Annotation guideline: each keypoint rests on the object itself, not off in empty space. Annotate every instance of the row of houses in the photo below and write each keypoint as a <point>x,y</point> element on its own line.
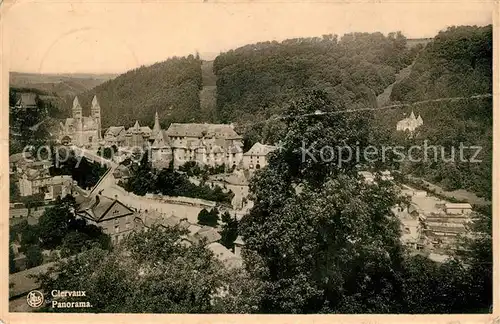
<point>432,224</point>
<point>427,223</point>
<point>33,177</point>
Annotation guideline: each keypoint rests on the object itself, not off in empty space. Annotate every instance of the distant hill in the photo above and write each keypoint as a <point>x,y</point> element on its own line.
<point>171,87</point>
<point>58,85</point>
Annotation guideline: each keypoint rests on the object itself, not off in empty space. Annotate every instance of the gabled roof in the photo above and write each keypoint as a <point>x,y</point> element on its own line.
<point>225,131</point>
<point>208,233</point>
<point>260,149</point>
<point>171,221</point>
<point>100,208</point>
<point>114,130</point>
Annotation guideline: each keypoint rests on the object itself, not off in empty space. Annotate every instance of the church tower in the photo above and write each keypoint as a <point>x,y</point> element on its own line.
<point>95,112</point>
<point>77,113</point>
<point>78,118</point>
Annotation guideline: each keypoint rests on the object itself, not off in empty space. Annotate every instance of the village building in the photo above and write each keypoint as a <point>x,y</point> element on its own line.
<point>137,136</point>
<point>256,157</point>
<point>115,218</point>
<point>115,136</point>
<point>33,182</point>
<point>223,254</point>
<point>410,123</point>
<point>82,131</point>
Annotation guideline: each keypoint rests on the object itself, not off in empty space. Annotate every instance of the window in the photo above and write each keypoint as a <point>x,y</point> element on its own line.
<point>117,229</point>
<point>90,139</point>
<point>117,220</point>
<point>127,226</point>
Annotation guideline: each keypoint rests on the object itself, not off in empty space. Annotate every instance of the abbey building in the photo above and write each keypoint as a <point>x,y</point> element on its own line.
<point>410,123</point>
<point>82,131</point>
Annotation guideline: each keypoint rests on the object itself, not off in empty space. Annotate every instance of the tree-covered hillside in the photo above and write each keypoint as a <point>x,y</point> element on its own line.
<point>457,63</point>
<point>170,87</point>
<point>253,81</point>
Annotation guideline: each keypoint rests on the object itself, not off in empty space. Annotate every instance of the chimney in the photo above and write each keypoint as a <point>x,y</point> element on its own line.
<point>97,200</point>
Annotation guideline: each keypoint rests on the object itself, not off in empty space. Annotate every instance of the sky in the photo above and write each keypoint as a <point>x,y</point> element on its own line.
<point>112,37</point>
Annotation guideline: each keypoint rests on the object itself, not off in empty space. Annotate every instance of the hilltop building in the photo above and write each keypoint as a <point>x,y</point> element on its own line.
<point>82,131</point>
<point>410,123</point>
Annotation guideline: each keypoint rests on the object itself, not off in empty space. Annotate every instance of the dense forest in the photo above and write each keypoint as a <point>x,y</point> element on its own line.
<point>170,87</point>
<point>254,81</point>
<point>456,63</point>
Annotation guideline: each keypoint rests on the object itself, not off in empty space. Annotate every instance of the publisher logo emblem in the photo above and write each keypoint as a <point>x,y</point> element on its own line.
<point>35,299</point>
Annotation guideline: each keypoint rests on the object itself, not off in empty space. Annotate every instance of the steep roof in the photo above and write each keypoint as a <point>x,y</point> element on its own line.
<point>156,127</point>
<point>27,100</point>
<point>114,130</point>
<point>208,233</point>
<point>161,140</point>
<point>225,131</point>
<point>260,149</point>
<point>99,208</point>
<point>95,103</point>
<point>76,103</point>
<point>223,254</point>
<point>171,221</point>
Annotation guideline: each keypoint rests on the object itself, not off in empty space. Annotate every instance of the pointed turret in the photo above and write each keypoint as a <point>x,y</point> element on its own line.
<point>420,121</point>
<point>136,127</point>
<point>156,127</point>
<point>412,115</point>
<point>76,103</point>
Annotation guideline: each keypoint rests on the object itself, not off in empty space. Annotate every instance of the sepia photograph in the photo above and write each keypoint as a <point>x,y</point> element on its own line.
<point>249,157</point>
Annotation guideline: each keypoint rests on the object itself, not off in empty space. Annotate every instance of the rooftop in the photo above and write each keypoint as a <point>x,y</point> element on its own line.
<point>202,130</point>
<point>260,149</point>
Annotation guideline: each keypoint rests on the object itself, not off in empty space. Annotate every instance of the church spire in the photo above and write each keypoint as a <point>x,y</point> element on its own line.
<point>412,116</point>
<point>156,127</point>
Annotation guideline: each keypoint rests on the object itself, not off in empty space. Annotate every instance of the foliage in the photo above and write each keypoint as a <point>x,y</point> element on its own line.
<point>85,173</point>
<point>229,230</point>
<point>12,263</point>
<point>107,152</point>
<point>150,272</point>
<point>171,183</point>
<point>13,189</point>
<point>171,88</point>
<point>59,228</point>
<point>34,256</point>
<point>254,80</point>
<point>208,218</point>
